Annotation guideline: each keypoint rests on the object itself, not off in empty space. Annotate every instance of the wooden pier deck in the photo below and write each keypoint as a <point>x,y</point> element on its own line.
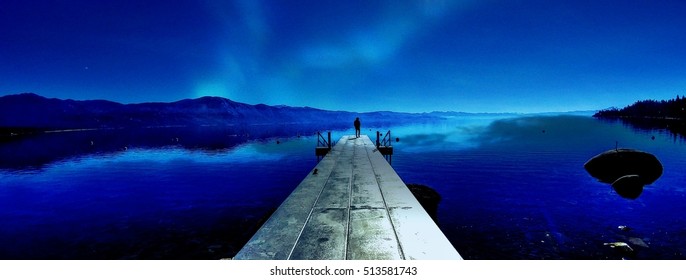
<point>355,207</point>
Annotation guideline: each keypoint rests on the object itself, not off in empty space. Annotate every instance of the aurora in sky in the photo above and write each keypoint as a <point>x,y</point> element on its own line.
<point>408,56</point>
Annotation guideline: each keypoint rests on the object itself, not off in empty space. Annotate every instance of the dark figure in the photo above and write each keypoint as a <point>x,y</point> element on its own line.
<point>357,127</point>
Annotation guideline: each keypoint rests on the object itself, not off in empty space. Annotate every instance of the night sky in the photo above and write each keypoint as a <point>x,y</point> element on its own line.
<point>411,56</point>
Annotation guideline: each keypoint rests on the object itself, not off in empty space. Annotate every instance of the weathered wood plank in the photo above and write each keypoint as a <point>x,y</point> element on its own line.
<point>276,238</point>
<point>365,189</point>
<point>418,234</point>
<point>371,236</point>
<point>420,237</point>
<point>324,236</point>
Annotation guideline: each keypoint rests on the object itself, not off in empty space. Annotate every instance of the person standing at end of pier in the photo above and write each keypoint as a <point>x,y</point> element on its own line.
<point>357,127</point>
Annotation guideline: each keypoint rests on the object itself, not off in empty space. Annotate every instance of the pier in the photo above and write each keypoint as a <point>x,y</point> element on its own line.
<point>351,206</point>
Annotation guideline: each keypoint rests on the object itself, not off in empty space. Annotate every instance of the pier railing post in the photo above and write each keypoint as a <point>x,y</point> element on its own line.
<point>378,144</point>
<point>329,136</point>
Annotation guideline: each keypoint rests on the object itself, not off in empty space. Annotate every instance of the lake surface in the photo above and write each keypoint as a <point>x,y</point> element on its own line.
<point>512,188</point>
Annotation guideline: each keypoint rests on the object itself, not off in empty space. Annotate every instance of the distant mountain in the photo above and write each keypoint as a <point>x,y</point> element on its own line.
<point>34,112</point>
<point>664,109</point>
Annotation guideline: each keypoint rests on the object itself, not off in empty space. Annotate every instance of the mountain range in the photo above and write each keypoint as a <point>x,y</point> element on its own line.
<point>34,112</point>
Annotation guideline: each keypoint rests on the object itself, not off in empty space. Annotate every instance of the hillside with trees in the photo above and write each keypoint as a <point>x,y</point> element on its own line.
<point>674,109</point>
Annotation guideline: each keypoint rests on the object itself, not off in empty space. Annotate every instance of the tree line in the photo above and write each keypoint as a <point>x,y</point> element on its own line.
<point>674,108</point>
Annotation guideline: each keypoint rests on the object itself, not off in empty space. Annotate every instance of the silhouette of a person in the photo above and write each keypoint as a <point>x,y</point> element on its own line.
<point>357,127</point>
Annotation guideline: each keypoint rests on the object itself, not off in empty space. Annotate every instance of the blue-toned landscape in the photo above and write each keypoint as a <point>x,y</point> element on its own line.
<point>156,130</point>
<point>512,187</point>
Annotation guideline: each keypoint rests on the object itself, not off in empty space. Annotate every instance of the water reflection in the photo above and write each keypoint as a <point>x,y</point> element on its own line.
<point>38,149</point>
<point>547,132</point>
<point>425,139</point>
<point>676,129</point>
<point>521,192</point>
<point>196,199</point>
<point>448,135</point>
<point>512,188</point>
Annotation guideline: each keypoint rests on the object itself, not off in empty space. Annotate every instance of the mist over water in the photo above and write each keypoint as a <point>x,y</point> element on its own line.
<point>513,188</point>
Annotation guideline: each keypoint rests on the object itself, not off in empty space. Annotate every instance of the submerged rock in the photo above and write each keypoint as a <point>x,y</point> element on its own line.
<point>629,186</point>
<point>427,197</point>
<point>624,228</point>
<point>638,242</point>
<point>622,248</point>
<point>614,164</point>
<point>621,245</point>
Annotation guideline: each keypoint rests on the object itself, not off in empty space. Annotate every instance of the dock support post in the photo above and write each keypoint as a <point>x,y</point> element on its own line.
<point>378,143</point>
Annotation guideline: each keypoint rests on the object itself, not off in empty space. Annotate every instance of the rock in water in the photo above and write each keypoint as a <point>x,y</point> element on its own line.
<point>629,186</point>
<point>621,245</point>
<point>624,228</point>
<point>622,248</point>
<point>613,164</point>
<point>428,198</point>
<point>638,242</point>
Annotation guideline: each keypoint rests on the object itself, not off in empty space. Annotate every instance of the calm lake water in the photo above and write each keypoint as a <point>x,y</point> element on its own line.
<point>512,188</point>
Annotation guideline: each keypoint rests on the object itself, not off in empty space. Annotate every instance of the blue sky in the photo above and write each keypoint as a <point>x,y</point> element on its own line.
<point>411,56</point>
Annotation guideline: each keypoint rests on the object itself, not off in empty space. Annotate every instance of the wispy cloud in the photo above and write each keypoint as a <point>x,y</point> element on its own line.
<point>379,42</point>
